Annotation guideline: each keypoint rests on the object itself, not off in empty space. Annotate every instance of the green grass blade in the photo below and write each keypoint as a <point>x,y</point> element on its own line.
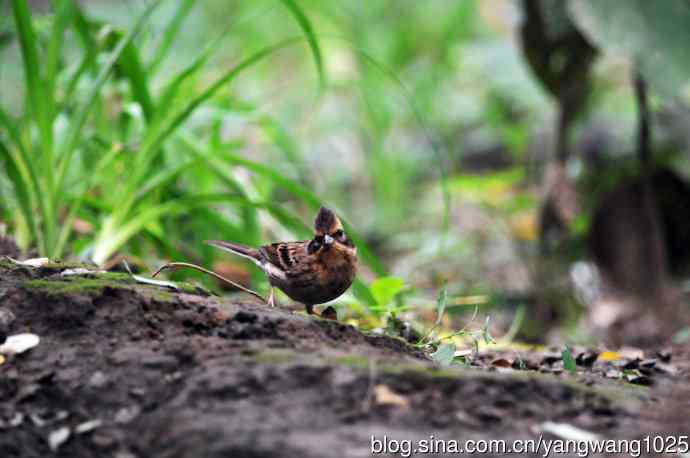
<point>312,200</point>
<point>308,30</point>
<point>249,215</point>
<point>436,149</point>
<point>159,132</point>
<point>75,130</point>
<point>130,63</point>
<point>22,190</point>
<point>24,163</point>
<point>169,35</point>
<point>155,137</point>
<point>114,237</point>
<point>12,129</point>
<point>169,94</point>
<point>163,178</point>
<point>76,203</point>
<point>35,87</point>
<point>63,11</point>
<point>285,143</point>
<point>81,26</point>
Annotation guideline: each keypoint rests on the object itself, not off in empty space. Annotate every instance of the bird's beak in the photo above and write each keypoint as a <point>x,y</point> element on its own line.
<point>328,240</point>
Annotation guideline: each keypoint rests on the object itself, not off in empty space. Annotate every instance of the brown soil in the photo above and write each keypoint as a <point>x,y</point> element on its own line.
<point>183,374</point>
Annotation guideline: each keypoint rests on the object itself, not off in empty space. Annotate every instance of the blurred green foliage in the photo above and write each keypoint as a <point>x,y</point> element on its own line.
<point>145,128</point>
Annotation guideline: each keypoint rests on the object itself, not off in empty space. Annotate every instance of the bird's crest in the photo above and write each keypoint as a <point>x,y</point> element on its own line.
<point>326,222</point>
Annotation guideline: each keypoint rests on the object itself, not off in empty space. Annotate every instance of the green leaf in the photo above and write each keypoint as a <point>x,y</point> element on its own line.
<point>682,336</point>
<point>654,37</point>
<point>444,354</point>
<point>362,293</point>
<point>384,289</point>
<point>568,360</point>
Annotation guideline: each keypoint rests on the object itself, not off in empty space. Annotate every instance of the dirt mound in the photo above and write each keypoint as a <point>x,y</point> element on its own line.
<point>125,369</point>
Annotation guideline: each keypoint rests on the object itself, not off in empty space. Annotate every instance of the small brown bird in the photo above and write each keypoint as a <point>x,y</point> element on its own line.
<point>309,271</point>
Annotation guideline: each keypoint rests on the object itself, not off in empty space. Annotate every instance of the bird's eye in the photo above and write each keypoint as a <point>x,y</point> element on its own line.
<point>339,234</point>
<point>314,246</point>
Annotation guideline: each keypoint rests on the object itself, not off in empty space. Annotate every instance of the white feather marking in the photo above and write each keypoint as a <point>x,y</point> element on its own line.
<point>272,270</point>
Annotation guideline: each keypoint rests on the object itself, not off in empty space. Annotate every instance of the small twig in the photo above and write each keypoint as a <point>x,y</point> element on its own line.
<point>176,265</point>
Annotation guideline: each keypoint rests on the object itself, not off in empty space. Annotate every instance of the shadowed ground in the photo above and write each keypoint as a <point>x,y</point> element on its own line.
<point>125,369</point>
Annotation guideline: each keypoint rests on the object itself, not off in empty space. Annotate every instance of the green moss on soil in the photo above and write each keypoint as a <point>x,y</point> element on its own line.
<point>80,284</point>
<point>276,356</point>
<point>357,361</point>
<point>94,283</point>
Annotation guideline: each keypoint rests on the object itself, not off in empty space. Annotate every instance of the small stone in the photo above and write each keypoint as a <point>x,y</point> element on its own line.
<point>98,379</point>
<point>88,426</point>
<point>613,373</point>
<point>58,437</point>
<point>102,440</point>
<point>127,414</point>
<point>16,420</point>
<point>138,392</point>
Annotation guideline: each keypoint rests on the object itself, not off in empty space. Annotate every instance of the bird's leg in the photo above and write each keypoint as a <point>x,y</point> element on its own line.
<point>309,308</point>
<point>271,298</point>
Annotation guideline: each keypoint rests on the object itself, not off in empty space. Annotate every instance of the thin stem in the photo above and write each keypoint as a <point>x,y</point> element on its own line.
<point>175,265</point>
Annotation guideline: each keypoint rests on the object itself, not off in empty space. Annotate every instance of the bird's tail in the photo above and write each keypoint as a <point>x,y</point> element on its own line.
<point>240,250</point>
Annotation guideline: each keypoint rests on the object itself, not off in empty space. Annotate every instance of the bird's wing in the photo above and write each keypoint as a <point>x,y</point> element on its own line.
<point>286,255</point>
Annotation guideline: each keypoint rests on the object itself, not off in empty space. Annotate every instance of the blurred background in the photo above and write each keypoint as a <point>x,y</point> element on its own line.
<point>491,150</point>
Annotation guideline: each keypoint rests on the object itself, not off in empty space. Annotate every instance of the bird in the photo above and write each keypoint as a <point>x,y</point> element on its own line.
<point>311,271</point>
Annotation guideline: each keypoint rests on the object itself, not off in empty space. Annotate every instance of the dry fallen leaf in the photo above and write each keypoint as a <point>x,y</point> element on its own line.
<point>385,396</point>
<point>501,362</point>
<point>608,356</point>
<point>34,262</point>
<point>2,360</point>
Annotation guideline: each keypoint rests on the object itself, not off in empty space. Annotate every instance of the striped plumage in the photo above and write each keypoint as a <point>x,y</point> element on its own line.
<point>309,271</point>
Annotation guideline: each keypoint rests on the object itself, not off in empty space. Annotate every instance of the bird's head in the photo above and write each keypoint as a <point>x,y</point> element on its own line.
<point>329,232</point>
